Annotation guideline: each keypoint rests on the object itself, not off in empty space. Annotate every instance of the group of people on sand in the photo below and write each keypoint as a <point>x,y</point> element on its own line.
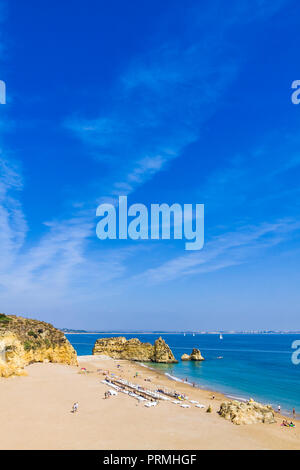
<point>288,425</point>
<point>285,422</point>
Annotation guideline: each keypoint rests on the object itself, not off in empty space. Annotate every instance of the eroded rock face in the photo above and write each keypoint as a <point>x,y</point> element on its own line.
<point>24,341</point>
<point>250,412</point>
<point>195,356</point>
<point>134,350</point>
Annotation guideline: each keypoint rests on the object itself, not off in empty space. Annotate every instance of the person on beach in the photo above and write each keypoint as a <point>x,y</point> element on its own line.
<point>279,408</point>
<point>75,407</point>
<point>294,413</point>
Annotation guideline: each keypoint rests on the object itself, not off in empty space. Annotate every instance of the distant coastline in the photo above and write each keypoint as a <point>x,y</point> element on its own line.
<point>141,332</point>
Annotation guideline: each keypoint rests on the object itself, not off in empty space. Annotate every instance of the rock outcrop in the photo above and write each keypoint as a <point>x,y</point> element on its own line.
<point>162,352</point>
<point>185,357</point>
<point>195,356</point>
<point>24,341</point>
<point>120,348</point>
<point>250,412</point>
<point>134,350</point>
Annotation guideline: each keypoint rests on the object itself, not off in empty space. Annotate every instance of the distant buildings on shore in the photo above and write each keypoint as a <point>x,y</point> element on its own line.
<point>222,332</point>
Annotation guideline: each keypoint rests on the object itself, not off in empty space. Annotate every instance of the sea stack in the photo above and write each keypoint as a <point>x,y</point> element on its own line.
<point>195,356</point>
<point>134,350</point>
<point>162,352</point>
<point>185,357</point>
<point>24,341</point>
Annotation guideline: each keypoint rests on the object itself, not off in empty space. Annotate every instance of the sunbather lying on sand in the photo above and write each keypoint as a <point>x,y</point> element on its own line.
<point>288,425</point>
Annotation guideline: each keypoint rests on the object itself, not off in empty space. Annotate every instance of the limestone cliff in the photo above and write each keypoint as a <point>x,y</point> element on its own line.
<point>247,413</point>
<point>134,350</point>
<point>24,341</point>
<point>195,356</point>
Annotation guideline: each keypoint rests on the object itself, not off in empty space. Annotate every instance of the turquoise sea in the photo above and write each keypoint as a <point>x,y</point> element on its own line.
<point>257,366</point>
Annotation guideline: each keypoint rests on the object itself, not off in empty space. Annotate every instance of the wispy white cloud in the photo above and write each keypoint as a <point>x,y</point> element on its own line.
<point>56,266</point>
<point>166,94</point>
<point>13,226</point>
<point>160,104</point>
<point>229,249</point>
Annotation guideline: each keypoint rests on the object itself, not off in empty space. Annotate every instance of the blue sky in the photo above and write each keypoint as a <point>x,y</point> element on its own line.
<point>186,102</point>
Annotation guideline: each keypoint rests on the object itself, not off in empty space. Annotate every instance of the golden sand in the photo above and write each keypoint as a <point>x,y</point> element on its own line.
<point>36,414</point>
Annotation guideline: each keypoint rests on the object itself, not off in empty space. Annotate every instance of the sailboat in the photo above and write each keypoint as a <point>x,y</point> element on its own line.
<point>183,334</point>
<point>193,334</point>
<point>221,336</point>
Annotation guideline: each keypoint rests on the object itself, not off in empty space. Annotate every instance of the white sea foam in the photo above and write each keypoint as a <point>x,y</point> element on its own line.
<point>233,397</point>
<point>172,377</point>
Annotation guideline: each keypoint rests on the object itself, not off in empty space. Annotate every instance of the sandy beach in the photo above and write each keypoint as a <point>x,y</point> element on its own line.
<point>36,413</point>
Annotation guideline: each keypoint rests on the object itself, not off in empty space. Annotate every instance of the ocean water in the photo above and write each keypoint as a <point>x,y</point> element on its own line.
<point>257,366</point>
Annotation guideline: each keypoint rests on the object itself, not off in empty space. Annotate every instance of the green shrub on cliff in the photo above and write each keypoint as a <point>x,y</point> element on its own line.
<point>27,345</point>
<point>4,320</point>
<point>32,333</point>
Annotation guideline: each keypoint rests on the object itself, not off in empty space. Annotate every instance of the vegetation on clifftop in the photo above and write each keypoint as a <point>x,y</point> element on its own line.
<point>32,333</point>
<point>4,319</point>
